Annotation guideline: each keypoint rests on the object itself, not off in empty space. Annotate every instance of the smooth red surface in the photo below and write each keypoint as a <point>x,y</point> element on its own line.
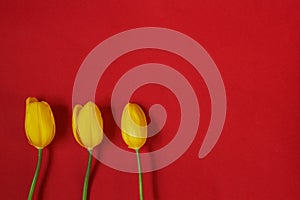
<point>256,46</point>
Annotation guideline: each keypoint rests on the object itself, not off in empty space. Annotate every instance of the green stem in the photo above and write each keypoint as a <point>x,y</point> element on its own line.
<point>87,175</point>
<point>36,174</point>
<point>140,174</point>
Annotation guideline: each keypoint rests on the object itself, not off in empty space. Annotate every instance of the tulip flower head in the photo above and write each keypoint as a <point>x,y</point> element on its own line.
<point>134,126</point>
<point>87,125</point>
<point>39,123</point>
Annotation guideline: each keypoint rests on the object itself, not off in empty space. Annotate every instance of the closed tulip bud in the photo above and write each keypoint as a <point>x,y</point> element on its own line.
<point>134,126</point>
<point>87,125</point>
<point>39,123</point>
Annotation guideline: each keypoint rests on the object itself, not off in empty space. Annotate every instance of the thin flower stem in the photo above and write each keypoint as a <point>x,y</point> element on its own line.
<point>140,174</point>
<point>87,175</point>
<point>36,174</point>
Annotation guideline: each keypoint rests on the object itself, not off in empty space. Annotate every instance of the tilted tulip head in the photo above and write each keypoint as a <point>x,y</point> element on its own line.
<point>39,123</point>
<point>134,126</point>
<point>87,125</point>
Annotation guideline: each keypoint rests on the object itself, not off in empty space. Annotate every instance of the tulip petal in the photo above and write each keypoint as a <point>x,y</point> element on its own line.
<point>137,114</point>
<point>31,100</point>
<point>48,124</point>
<point>76,111</point>
<point>31,122</point>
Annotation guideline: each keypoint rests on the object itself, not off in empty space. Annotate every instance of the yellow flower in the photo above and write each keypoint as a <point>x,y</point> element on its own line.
<point>87,125</point>
<point>134,126</point>
<point>39,123</point>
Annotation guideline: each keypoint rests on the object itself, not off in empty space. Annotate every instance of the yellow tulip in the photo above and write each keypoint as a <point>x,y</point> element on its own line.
<point>87,125</point>
<point>40,131</point>
<point>39,123</point>
<point>134,133</point>
<point>134,126</point>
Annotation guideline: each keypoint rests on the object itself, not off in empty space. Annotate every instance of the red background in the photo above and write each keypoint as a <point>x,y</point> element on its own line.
<point>255,45</point>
